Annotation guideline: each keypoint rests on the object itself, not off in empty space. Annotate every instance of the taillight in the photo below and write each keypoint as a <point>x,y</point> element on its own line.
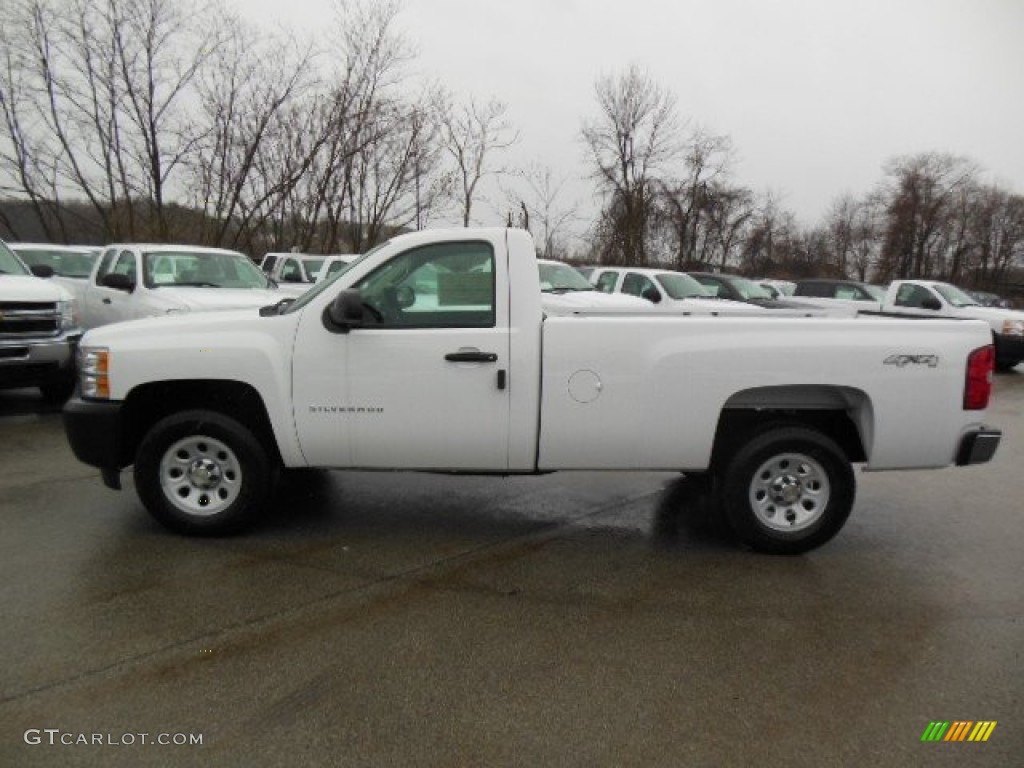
<point>978,385</point>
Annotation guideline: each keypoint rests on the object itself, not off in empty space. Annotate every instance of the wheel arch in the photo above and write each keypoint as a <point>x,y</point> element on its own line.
<point>844,414</point>
<point>146,404</point>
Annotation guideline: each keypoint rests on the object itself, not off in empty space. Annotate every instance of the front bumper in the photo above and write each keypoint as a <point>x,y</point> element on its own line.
<point>1009,350</point>
<point>26,362</point>
<point>94,429</point>
<point>978,446</point>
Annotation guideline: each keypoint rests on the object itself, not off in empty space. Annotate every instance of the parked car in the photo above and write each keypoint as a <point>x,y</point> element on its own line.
<point>666,289</point>
<point>334,264</point>
<point>827,292</point>
<point>39,330</point>
<point>930,299</point>
<point>988,299</point>
<point>779,289</point>
<point>564,288</point>
<point>71,264</point>
<point>739,288</point>
<point>133,280</point>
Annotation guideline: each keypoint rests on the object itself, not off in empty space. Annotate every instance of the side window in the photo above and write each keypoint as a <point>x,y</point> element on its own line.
<point>712,286</point>
<point>125,264</point>
<point>818,290</point>
<point>106,263</point>
<point>639,285</point>
<point>447,285</point>
<point>849,292</point>
<point>606,282</point>
<point>268,264</point>
<point>912,296</point>
<point>290,271</point>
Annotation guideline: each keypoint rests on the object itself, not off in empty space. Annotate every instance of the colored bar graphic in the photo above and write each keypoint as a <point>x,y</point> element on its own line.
<point>959,730</point>
<point>982,731</point>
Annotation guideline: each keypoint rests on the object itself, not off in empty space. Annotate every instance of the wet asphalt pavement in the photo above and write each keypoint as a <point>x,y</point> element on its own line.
<point>575,619</point>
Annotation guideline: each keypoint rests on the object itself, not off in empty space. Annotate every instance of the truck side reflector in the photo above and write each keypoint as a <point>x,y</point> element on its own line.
<point>978,384</point>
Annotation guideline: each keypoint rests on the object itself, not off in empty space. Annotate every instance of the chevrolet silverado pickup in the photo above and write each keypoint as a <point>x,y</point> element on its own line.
<point>38,329</point>
<point>434,352</point>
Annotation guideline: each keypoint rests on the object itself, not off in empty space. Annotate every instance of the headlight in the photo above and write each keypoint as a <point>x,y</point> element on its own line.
<point>94,372</point>
<point>1013,327</point>
<point>68,314</point>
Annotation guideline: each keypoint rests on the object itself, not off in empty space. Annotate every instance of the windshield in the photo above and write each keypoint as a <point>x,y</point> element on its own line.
<point>955,296</point>
<point>557,278</point>
<point>680,286</point>
<point>205,269</point>
<point>748,289</point>
<point>65,262</point>
<point>9,263</point>
<point>326,283</point>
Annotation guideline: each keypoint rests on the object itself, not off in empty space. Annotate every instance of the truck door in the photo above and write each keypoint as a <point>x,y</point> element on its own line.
<point>423,384</point>
<point>111,305</point>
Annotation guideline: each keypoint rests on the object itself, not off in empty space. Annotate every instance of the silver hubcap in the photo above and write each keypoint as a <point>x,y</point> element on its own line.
<point>789,492</point>
<point>200,475</point>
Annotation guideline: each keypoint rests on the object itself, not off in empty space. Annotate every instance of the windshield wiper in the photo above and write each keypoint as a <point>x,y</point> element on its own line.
<point>192,284</point>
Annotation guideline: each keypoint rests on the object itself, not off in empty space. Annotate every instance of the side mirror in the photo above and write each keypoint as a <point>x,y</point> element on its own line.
<point>345,312</point>
<point>118,282</point>
<point>931,303</point>
<point>651,294</point>
<point>41,270</point>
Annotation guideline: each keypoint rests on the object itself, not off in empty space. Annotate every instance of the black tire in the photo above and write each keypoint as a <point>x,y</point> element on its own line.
<point>788,490</point>
<point>202,473</point>
<point>58,388</point>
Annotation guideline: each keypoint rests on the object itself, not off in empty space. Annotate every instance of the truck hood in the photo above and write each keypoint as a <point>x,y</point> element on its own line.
<point>994,315</point>
<point>148,329</point>
<point>27,288</point>
<point>205,299</point>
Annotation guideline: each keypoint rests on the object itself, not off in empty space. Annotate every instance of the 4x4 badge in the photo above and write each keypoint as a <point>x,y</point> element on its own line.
<point>901,361</point>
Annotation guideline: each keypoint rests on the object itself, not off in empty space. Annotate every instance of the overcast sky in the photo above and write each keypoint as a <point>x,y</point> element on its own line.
<point>816,95</point>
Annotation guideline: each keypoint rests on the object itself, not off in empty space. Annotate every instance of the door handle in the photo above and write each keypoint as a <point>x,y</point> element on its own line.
<point>106,301</point>
<point>471,357</point>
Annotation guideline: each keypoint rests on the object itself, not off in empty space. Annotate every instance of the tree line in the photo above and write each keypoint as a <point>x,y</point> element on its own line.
<point>177,120</point>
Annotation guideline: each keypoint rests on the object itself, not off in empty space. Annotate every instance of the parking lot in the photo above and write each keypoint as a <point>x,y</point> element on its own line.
<point>585,619</point>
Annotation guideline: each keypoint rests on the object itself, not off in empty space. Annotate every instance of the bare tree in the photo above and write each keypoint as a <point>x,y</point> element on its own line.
<point>253,85</point>
<point>919,194</point>
<point>471,134</point>
<point>633,140</point>
<point>686,202</point>
<point>542,210</point>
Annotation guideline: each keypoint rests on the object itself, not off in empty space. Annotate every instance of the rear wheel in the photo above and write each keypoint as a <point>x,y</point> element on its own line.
<point>200,472</point>
<point>788,490</point>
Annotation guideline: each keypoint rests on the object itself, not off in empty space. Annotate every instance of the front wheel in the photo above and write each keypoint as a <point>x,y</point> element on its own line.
<point>788,490</point>
<point>200,472</point>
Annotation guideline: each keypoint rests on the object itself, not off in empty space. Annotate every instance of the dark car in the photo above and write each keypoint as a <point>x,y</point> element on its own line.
<point>849,290</point>
<point>742,289</point>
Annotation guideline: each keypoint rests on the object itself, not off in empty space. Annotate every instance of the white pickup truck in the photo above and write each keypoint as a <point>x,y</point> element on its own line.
<point>433,352</point>
<point>921,299</point>
<point>135,280</point>
<point>38,329</point>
